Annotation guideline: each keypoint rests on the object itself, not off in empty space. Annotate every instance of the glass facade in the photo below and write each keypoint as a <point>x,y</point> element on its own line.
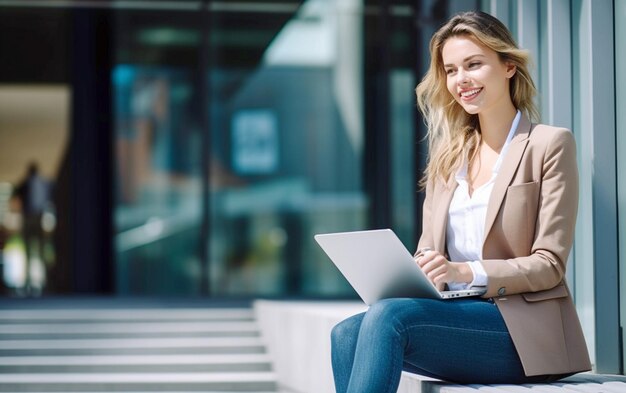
<point>241,130</point>
<point>287,146</point>
<point>201,145</point>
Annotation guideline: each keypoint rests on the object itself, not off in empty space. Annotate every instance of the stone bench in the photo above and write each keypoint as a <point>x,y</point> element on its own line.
<point>580,383</point>
<point>297,335</point>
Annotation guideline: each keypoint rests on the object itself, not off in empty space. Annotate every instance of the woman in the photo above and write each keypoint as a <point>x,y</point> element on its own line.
<point>499,213</point>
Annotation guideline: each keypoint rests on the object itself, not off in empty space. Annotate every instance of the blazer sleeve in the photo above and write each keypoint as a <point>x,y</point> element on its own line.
<point>544,268</point>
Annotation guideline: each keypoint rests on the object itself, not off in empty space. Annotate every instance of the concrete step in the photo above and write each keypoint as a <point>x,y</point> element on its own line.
<point>239,349</point>
<point>131,382</point>
<point>68,336</point>
<point>135,364</point>
<point>122,315</point>
<point>101,329</point>
<point>134,346</point>
<point>133,350</point>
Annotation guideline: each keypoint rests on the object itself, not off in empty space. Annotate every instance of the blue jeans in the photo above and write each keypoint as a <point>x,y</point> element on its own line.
<point>461,340</point>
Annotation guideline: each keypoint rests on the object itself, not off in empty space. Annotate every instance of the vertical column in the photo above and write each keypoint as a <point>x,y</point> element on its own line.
<point>608,359</point>
<point>501,10</point>
<point>620,89</point>
<point>583,242</point>
<point>527,35</point>
<point>376,165</point>
<point>90,153</point>
<point>555,79</point>
<point>556,68</point>
<point>598,171</point>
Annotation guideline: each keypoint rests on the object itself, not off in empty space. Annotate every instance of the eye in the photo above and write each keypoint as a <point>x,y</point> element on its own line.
<point>474,64</point>
<point>450,71</point>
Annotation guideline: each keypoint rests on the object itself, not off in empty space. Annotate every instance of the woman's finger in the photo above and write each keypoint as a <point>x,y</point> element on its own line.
<point>427,257</point>
<point>437,272</point>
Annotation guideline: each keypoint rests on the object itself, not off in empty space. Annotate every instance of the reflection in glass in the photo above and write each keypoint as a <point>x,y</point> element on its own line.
<point>240,133</point>
<point>158,210</point>
<point>287,148</point>
<point>404,195</point>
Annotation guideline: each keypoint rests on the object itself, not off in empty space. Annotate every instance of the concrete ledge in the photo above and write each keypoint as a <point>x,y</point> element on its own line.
<point>581,383</point>
<point>297,335</point>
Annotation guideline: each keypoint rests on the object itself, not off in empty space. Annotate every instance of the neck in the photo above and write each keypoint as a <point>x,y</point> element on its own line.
<point>494,127</point>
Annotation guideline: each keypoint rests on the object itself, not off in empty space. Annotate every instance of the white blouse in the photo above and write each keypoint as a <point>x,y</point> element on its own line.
<point>466,218</point>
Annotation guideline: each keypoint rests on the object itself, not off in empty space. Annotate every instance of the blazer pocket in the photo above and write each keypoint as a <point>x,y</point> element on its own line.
<point>520,214</point>
<point>523,187</point>
<point>554,293</point>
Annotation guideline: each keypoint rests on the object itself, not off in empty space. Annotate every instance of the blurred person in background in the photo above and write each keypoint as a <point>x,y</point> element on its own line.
<point>33,192</point>
<point>4,236</point>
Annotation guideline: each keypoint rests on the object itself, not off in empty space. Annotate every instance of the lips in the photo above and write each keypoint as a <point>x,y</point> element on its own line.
<point>470,94</point>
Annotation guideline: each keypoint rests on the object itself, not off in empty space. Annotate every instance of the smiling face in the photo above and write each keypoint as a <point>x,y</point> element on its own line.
<point>475,76</point>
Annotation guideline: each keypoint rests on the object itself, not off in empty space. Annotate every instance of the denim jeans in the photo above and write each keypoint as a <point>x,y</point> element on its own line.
<point>460,340</point>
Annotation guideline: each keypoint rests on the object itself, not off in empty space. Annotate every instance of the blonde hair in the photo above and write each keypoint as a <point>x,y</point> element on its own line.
<point>454,134</point>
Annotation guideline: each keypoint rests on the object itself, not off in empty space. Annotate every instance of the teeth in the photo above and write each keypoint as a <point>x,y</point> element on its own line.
<point>469,92</point>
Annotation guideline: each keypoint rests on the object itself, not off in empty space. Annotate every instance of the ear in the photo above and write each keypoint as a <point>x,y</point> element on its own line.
<point>511,69</point>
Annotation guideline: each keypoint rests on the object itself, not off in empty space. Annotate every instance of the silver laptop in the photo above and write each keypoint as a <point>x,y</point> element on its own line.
<point>378,266</point>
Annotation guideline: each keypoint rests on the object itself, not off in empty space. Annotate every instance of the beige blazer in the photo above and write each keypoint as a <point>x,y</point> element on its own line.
<point>529,231</point>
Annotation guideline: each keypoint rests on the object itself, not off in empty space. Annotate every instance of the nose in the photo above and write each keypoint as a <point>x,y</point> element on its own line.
<point>461,77</point>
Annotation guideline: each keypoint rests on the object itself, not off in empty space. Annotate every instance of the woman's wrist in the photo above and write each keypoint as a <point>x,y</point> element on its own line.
<point>464,273</point>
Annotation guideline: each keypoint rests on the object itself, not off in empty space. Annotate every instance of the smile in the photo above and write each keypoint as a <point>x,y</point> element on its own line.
<point>470,94</point>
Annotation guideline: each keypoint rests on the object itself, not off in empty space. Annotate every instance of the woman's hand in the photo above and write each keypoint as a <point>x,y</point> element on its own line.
<point>440,271</point>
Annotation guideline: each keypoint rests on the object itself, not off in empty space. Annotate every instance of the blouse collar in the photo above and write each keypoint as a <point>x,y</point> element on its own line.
<point>462,173</point>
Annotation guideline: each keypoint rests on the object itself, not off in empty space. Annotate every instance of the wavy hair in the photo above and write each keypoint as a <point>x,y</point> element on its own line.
<point>453,134</point>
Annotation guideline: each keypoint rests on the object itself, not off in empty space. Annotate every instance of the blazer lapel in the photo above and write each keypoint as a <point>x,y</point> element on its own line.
<point>509,166</point>
<point>440,214</point>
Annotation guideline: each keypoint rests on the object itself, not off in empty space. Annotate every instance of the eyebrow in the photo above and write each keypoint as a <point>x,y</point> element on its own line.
<point>466,59</point>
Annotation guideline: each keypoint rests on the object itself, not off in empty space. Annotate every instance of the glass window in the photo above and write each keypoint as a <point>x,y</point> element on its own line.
<point>287,142</point>
<point>157,148</point>
<point>238,130</point>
